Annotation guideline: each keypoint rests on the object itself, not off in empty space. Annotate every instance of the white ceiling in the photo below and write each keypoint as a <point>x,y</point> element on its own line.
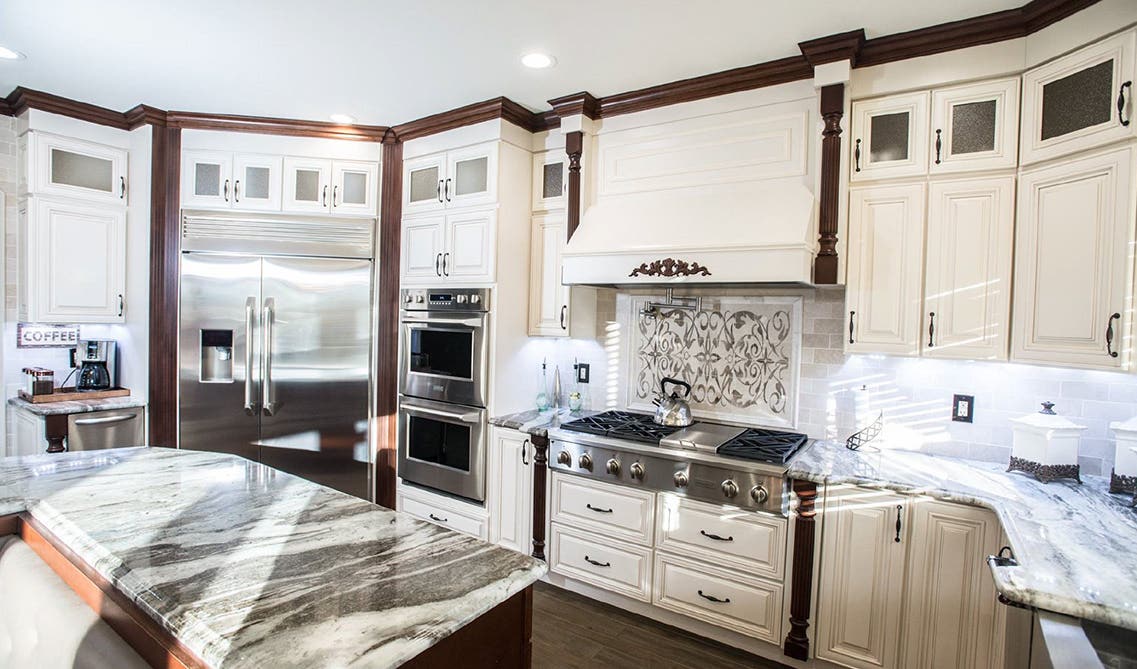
<point>388,62</point>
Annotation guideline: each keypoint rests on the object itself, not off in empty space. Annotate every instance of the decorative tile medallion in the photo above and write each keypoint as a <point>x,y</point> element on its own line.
<point>740,356</point>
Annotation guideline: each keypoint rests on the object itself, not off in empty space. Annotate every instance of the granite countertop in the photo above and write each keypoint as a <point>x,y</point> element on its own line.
<point>1074,543</point>
<point>77,406</point>
<point>538,423</point>
<point>252,567</point>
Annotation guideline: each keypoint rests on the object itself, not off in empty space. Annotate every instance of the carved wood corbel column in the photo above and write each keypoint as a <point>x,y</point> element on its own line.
<point>575,112</point>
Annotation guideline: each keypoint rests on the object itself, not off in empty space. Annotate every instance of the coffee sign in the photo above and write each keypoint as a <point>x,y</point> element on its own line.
<point>39,335</point>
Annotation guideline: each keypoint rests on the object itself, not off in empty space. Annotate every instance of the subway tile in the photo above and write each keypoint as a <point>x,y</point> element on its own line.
<point>1090,466</point>
<point>989,453</point>
<point>1084,390</point>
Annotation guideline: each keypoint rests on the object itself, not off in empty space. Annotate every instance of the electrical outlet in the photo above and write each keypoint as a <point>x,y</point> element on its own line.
<point>963,408</point>
<point>582,372</point>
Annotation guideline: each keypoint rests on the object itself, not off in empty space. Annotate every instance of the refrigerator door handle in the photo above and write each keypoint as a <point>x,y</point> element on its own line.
<point>269,407</point>
<point>250,317</point>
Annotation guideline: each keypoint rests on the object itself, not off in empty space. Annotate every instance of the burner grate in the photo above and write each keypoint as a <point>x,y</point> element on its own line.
<point>623,425</point>
<point>764,445</point>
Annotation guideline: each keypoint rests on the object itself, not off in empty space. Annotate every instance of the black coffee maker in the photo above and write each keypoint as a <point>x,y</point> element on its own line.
<point>96,361</point>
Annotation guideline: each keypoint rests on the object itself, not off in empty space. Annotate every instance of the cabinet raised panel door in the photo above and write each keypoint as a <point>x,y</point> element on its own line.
<point>471,176</point>
<point>256,182</point>
<point>75,168</point>
<point>423,179</point>
<point>207,179</point>
<point>888,138</point>
<point>974,127</point>
<point>1073,234</point>
<point>883,291</point>
<point>548,299</point>
<point>967,280</point>
<point>515,493</point>
<point>1080,101</point>
<point>307,185</point>
<point>861,578</point>
<point>550,180</point>
<point>79,274</point>
<point>469,247</point>
<point>354,188</point>
<point>422,250</point>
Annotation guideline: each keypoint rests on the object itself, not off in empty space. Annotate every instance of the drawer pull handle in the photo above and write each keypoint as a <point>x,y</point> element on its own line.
<point>121,418</point>
<point>1109,335</point>
<point>714,599</point>
<point>594,562</point>
<point>715,536</point>
<point>441,520</point>
<point>598,509</point>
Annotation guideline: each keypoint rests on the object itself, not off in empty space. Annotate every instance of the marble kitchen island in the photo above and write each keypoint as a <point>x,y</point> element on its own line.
<point>246,566</point>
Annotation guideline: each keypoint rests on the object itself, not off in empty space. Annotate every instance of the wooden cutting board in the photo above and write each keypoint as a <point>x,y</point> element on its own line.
<point>70,395</point>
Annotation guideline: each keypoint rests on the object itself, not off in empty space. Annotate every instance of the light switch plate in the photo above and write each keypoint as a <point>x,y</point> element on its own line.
<point>963,408</point>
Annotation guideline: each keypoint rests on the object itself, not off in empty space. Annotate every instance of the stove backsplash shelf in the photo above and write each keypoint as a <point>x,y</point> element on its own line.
<point>741,355</point>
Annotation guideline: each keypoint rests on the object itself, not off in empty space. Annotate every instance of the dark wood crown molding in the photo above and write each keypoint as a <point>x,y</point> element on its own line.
<point>266,125</point>
<point>577,103</point>
<point>487,110</point>
<point>842,46</point>
<point>140,115</point>
<point>22,99</point>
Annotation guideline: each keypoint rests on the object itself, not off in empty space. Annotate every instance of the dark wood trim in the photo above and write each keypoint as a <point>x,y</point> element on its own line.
<point>21,99</point>
<point>9,524</point>
<point>139,115</point>
<point>387,306</point>
<point>487,110</point>
<point>5,108</point>
<point>275,126</point>
<point>540,485</point>
<point>574,147</point>
<point>577,103</point>
<point>801,580</point>
<point>842,46</point>
<point>146,636</point>
<point>1039,14</point>
<point>165,167</point>
<point>55,431</point>
<point>832,109</point>
<point>501,638</point>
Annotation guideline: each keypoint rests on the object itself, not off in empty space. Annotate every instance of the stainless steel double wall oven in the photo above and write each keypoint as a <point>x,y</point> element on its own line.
<point>443,384</point>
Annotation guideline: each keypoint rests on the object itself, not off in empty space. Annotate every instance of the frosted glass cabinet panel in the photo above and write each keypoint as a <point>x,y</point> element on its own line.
<point>1079,101</point>
<point>355,187</point>
<point>458,178</point>
<point>76,168</point>
<point>307,184</point>
<point>207,179</point>
<point>975,127</point>
<point>422,183</point>
<point>256,182</point>
<point>888,138</point>
<point>550,180</point>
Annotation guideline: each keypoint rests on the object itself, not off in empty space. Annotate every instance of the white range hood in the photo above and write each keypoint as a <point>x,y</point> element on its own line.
<point>732,233</point>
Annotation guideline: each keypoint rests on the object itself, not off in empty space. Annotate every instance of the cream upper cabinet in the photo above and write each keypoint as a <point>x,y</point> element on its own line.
<point>459,178</point>
<point>889,137</point>
<point>307,185</point>
<point>512,500</point>
<point>1079,101</point>
<point>967,278</point>
<point>256,182</point>
<point>975,127</point>
<point>953,618</point>
<point>222,180</point>
<point>548,299</point>
<point>882,293</point>
<point>1074,232</point>
<point>355,187</point>
<point>861,577</point>
<point>73,262</point>
<point>451,248</point>
<point>550,180</point>
<point>68,167</point>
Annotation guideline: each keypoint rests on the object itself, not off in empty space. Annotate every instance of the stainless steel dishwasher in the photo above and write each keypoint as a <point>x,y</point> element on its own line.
<point>113,428</point>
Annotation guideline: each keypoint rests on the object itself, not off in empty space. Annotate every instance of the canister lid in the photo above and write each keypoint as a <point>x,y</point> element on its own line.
<point>1047,419</point>
<point>1127,427</point>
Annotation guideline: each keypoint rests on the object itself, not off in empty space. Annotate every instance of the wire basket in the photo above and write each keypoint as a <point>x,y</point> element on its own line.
<point>865,435</point>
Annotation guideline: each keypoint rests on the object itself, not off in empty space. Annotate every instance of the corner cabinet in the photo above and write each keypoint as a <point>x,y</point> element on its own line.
<point>1072,275</point>
<point>450,248</point>
<point>72,260</point>
<point>459,178</point>
<point>886,244</point>
<point>1080,101</point>
<point>511,460</point>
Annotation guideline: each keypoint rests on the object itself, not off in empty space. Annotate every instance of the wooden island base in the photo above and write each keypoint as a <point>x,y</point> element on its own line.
<point>501,637</point>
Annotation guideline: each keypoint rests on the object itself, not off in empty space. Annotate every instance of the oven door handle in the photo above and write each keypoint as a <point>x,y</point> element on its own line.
<point>421,324</point>
<point>466,417</point>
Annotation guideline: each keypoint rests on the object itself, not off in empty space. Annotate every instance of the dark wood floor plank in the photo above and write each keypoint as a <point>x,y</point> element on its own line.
<point>571,631</point>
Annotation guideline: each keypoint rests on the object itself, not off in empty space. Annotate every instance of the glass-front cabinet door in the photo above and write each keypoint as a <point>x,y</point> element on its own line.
<point>207,179</point>
<point>889,137</point>
<point>307,184</point>
<point>974,127</point>
<point>354,187</point>
<point>422,183</point>
<point>550,180</point>
<point>256,182</point>
<point>76,168</point>
<point>471,176</point>
<point>1079,101</point>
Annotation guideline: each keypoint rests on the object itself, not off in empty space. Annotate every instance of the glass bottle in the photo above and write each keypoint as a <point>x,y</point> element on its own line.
<point>543,389</point>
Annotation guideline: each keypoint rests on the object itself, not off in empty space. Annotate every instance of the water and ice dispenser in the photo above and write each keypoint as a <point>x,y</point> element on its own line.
<point>216,356</point>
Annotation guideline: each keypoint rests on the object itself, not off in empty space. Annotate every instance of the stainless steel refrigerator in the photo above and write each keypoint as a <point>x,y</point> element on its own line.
<point>275,355</point>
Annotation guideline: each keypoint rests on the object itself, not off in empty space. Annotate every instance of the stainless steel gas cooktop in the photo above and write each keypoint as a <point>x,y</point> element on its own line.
<point>725,464</point>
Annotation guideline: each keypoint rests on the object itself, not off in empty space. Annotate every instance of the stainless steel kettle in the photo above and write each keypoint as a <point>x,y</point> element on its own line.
<point>672,410</point>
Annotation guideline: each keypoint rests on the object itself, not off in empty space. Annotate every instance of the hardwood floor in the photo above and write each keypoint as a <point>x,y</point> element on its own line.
<point>573,632</point>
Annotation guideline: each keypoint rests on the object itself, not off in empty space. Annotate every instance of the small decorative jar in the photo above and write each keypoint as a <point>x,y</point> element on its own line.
<point>1123,478</point>
<point>1046,445</point>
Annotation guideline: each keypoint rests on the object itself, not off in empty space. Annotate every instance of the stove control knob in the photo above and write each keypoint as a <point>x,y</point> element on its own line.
<point>613,467</point>
<point>586,462</point>
<point>729,489</point>
<point>637,471</point>
<point>461,299</point>
<point>419,299</point>
<point>474,299</point>
<point>563,458</point>
<point>408,298</point>
<point>759,494</point>
<point>680,479</point>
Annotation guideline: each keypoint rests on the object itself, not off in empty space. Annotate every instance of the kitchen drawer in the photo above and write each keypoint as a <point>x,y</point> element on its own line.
<point>446,517</point>
<point>609,509</point>
<point>752,542</point>
<point>747,605</point>
<point>613,565</point>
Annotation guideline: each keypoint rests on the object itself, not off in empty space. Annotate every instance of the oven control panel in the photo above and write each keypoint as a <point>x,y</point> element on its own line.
<point>446,299</point>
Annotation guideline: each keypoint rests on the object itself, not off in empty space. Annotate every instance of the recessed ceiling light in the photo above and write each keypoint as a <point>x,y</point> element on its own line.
<point>10,54</point>
<point>538,61</point>
<point>342,119</point>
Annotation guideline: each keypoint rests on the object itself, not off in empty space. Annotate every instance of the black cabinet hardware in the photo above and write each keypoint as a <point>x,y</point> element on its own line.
<point>120,305</point>
<point>446,190</point>
<point>939,145</point>
<point>445,261</point>
<point>121,188</point>
<point>564,309</point>
<point>714,599</point>
<point>225,191</point>
<point>335,192</point>
<point>524,457</point>
<point>857,156</point>
<point>715,536</point>
<point>237,190</point>
<point>598,509</point>
<point>438,264</point>
<point>931,328</point>
<point>441,520</point>
<point>594,562</point>
<point>324,197</point>
<point>438,193</point>
<point>1109,335</point>
<point>851,313</point>
<point>899,508</point>
<point>1121,102</point>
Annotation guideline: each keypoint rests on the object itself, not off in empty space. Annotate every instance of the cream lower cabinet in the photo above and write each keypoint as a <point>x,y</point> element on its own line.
<point>460,516</point>
<point>903,582</point>
<point>511,458</point>
<point>1072,278</point>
